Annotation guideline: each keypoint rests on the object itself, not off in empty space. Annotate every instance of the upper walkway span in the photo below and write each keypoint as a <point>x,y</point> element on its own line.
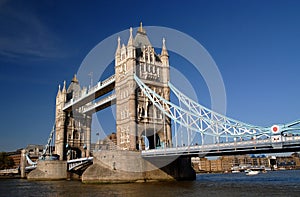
<point>100,89</point>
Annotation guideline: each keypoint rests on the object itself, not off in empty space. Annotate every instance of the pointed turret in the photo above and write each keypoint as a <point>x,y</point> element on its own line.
<point>141,29</point>
<point>130,40</point>
<point>59,91</point>
<point>73,89</point>
<point>130,45</point>
<point>63,93</point>
<point>164,53</point>
<point>75,80</point>
<point>118,52</point>
<point>64,90</point>
<point>141,40</point>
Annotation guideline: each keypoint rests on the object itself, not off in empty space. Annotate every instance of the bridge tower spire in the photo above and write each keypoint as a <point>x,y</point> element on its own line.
<point>164,54</point>
<point>118,52</point>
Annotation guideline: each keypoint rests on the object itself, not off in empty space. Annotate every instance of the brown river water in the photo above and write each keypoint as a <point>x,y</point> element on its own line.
<point>273,183</point>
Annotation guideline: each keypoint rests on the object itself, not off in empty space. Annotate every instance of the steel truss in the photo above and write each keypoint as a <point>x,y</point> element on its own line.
<point>202,120</point>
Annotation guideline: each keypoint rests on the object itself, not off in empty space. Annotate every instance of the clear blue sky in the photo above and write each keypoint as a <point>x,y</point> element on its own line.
<point>256,45</point>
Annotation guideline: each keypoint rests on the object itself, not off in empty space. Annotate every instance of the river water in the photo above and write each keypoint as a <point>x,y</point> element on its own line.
<point>275,183</point>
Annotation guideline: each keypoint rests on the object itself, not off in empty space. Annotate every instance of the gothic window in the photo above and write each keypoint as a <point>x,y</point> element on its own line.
<point>120,69</point>
<point>127,134</point>
<point>122,140</point>
<point>126,112</point>
<point>146,56</point>
<point>76,135</point>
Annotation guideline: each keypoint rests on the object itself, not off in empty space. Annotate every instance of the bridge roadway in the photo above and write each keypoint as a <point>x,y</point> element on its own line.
<point>100,89</point>
<point>286,144</point>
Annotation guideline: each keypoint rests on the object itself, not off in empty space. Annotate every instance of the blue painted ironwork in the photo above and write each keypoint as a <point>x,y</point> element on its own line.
<point>207,122</point>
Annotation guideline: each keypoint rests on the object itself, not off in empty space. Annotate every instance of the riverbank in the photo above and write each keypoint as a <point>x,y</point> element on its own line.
<point>230,172</point>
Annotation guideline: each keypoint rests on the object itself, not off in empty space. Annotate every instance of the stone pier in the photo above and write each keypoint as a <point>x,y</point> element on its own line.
<point>128,166</point>
<point>49,170</point>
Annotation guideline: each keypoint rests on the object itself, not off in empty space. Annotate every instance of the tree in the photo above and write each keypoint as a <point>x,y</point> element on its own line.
<point>5,161</point>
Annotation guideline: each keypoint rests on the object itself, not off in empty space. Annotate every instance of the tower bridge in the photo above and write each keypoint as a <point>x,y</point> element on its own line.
<point>149,125</point>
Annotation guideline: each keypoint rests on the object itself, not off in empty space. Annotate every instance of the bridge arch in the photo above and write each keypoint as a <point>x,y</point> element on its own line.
<point>150,139</point>
<point>74,153</point>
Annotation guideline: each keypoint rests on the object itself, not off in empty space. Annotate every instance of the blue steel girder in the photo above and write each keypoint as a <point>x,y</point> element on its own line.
<point>203,111</point>
<point>289,127</point>
<point>200,120</point>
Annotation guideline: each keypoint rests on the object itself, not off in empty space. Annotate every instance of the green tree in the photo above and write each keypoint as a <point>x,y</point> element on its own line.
<point>5,161</point>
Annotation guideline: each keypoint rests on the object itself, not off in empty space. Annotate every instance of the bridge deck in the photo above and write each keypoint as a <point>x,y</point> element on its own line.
<point>288,144</point>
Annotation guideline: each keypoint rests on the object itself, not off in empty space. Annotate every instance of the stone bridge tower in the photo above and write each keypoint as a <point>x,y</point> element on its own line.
<point>73,129</point>
<point>136,116</point>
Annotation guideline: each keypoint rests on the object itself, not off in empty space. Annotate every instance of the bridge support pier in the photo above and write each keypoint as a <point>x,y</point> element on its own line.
<point>49,170</point>
<point>128,166</point>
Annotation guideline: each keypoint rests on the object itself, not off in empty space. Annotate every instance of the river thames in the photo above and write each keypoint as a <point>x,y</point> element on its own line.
<point>274,183</point>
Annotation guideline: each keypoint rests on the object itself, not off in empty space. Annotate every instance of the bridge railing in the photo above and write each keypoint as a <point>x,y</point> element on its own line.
<point>101,83</point>
<point>78,162</point>
<point>224,147</point>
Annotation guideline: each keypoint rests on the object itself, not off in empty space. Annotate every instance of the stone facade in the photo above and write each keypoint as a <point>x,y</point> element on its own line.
<point>49,170</point>
<point>137,119</point>
<point>73,129</point>
<point>119,166</point>
<point>136,115</point>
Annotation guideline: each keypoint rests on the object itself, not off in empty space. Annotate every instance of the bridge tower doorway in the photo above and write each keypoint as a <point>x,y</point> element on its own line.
<point>74,153</point>
<point>149,140</point>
